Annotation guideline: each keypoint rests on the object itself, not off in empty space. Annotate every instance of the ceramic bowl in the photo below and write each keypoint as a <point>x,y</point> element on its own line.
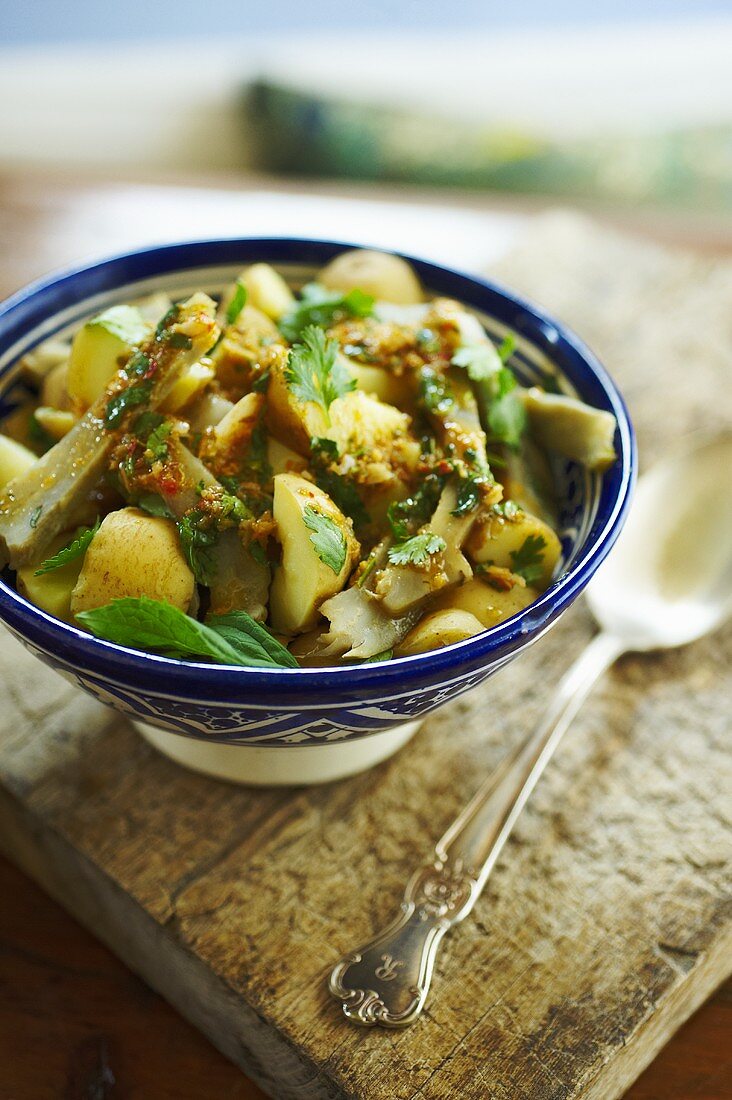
<point>285,726</point>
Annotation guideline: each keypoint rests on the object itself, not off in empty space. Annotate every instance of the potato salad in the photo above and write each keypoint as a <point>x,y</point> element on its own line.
<point>342,472</point>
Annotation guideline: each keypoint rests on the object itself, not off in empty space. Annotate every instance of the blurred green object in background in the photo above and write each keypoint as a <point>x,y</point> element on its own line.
<point>298,133</point>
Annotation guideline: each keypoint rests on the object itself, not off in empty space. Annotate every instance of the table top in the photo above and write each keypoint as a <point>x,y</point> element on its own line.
<point>73,1020</point>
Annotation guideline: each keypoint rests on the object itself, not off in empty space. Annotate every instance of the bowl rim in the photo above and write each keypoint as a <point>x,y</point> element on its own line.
<point>40,299</point>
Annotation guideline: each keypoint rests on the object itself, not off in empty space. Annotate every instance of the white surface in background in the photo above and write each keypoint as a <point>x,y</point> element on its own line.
<point>178,104</point>
<point>460,238</point>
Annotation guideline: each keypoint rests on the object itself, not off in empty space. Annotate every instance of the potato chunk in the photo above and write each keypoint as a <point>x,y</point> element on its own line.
<point>99,349</point>
<point>438,629</point>
<point>487,604</point>
<point>502,541</point>
<point>387,277</point>
<point>267,290</point>
<point>15,459</point>
<point>51,591</point>
<point>133,554</point>
<point>310,572</point>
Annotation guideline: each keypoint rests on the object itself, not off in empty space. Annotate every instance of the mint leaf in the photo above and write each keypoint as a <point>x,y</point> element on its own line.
<point>78,546</point>
<point>527,560</point>
<point>142,623</point>
<point>314,371</point>
<point>323,307</point>
<point>327,538</point>
<point>417,550</point>
<point>243,632</point>
<point>237,303</point>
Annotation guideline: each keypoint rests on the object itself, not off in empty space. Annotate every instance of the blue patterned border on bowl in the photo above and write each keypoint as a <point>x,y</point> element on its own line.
<point>282,707</point>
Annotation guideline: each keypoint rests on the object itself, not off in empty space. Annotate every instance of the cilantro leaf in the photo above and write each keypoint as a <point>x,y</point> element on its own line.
<point>405,516</point>
<point>78,546</point>
<point>198,540</point>
<point>237,303</point>
<point>527,560</point>
<point>339,488</point>
<point>143,623</point>
<point>327,538</point>
<point>481,362</point>
<point>315,373</point>
<point>417,550</point>
<point>501,411</point>
<point>468,494</point>
<point>385,655</point>
<point>323,307</point>
<point>157,441</point>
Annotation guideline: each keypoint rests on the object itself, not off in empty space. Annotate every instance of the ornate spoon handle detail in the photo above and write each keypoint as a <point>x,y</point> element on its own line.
<point>386,981</point>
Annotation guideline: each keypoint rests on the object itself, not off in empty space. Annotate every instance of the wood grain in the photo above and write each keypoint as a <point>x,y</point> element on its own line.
<point>606,922</point>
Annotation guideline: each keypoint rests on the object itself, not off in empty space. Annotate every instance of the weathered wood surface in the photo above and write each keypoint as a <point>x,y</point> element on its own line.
<point>605,922</point>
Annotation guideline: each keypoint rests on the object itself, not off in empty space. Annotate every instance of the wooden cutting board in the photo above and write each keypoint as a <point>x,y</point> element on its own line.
<point>605,923</point>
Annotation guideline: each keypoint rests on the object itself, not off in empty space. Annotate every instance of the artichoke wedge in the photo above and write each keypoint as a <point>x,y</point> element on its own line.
<point>45,500</point>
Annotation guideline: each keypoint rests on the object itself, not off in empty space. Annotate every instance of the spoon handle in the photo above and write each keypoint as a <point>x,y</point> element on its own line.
<point>386,981</point>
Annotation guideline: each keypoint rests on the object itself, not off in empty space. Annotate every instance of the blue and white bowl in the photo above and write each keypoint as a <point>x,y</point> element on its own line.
<point>281,726</point>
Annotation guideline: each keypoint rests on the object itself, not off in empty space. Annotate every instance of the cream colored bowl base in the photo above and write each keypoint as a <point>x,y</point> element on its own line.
<point>294,765</point>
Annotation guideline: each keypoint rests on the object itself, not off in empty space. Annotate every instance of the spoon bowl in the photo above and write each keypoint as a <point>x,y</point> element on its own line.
<point>669,579</point>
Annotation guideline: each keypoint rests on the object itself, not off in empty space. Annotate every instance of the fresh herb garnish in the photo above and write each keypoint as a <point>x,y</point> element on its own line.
<point>322,307</point>
<point>241,631</point>
<point>154,505</point>
<point>434,392</point>
<point>35,516</point>
<point>237,303</point>
<point>405,516</point>
<point>178,340</point>
<point>143,623</point>
<point>527,560</point>
<point>468,494</point>
<point>166,321</point>
<point>416,550</point>
<point>78,546</point>
<point>257,459</point>
<point>198,536</point>
<point>501,410</point>
<point>339,488</point>
<point>129,398</point>
<point>327,538</point>
<point>315,373</point>
<point>157,441</point>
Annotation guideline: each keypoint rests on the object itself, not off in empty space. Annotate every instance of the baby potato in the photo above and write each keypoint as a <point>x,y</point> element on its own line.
<point>56,422</point>
<point>188,386</point>
<point>386,277</point>
<point>438,629</point>
<point>485,603</point>
<point>133,554</point>
<point>15,459</point>
<point>51,591</point>
<point>391,388</point>
<point>267,290</point>
<point>499,538</point>
<point>304,580</point>
<point>282,459</point>
<point>98,350</point>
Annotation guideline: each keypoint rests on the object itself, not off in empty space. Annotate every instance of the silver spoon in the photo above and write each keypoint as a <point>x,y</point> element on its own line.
<point>667,583</point>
